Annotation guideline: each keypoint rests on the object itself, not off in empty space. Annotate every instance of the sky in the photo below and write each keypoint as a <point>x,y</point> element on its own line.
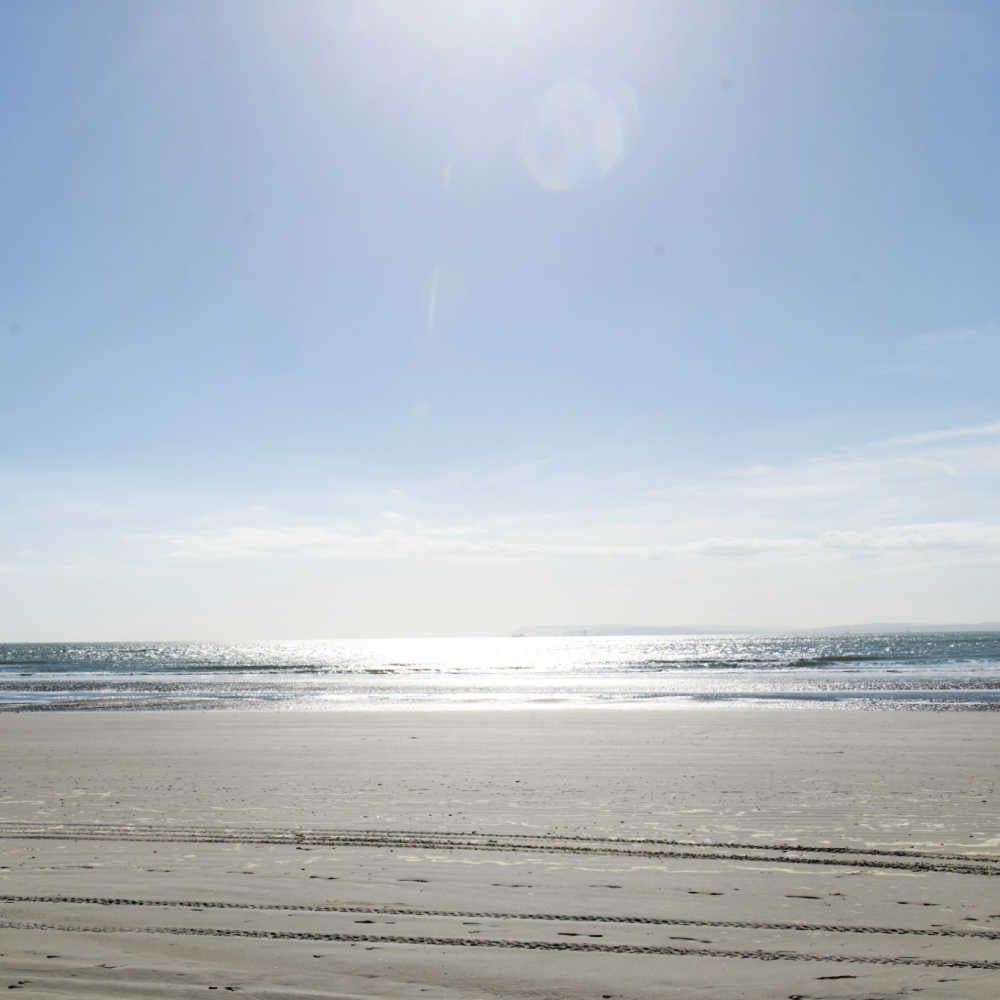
<point>366,318</point>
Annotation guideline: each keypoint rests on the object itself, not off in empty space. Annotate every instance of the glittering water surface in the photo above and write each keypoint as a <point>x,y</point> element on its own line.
<point>925,671</point>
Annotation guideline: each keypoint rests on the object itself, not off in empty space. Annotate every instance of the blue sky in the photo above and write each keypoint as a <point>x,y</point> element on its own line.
<point>327,319</point>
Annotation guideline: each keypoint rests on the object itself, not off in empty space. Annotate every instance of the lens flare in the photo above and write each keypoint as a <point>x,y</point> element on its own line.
<point>574,136</point>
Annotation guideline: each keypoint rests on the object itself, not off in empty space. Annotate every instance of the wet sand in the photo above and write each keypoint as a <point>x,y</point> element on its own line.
<point>519,853</point>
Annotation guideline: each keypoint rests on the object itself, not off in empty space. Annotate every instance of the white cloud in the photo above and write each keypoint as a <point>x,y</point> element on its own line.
<point>421,541</point>
<point>806,541</point>
<point>741,547</point>
<point>910,494</point>
<point>927,459</point>
<point>949,434</point>
<point>909,537</point>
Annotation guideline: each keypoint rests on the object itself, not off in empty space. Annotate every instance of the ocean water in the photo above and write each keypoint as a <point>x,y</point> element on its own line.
<point>923,671</point>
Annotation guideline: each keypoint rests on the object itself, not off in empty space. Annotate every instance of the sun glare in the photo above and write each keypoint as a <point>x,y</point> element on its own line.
<point>447,24</point>
<point>574,136</point>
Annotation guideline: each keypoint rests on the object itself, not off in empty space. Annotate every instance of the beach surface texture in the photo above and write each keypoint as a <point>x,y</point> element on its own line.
<point>523,853</point>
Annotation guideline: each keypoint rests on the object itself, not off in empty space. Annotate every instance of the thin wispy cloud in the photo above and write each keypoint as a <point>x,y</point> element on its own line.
<point>414,541</point>
<point>948,434</point>
<point>883,498</point>
<point>943,454</point>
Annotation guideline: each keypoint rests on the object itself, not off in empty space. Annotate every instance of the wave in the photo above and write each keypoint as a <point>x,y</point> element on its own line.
<point>768,663</point>
<point>823,661</point>
<point>84,667</point>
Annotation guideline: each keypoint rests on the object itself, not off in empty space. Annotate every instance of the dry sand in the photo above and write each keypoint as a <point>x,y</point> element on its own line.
<point>483,854</point>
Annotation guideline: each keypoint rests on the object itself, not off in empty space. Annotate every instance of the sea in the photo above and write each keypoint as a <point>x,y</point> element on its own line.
<point>929,671</point>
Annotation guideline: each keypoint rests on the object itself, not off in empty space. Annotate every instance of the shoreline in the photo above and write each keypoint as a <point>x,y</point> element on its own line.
<point>901,703</point>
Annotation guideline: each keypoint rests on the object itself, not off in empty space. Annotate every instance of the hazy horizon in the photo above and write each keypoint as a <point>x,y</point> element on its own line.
<point>378,317</point>
<point>540,632</point>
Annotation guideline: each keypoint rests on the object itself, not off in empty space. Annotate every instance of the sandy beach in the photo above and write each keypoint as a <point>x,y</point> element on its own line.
<point>500,854</point>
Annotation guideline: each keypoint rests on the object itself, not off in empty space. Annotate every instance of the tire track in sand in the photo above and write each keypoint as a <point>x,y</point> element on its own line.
<point>406,911</point>
<point>547,843</point>
<point>469,942</point>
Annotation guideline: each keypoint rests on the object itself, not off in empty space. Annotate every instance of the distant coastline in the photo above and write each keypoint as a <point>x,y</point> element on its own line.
<point>875,628</point>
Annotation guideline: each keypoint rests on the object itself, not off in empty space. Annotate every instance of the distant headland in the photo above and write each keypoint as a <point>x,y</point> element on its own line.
<point>871,627</point>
